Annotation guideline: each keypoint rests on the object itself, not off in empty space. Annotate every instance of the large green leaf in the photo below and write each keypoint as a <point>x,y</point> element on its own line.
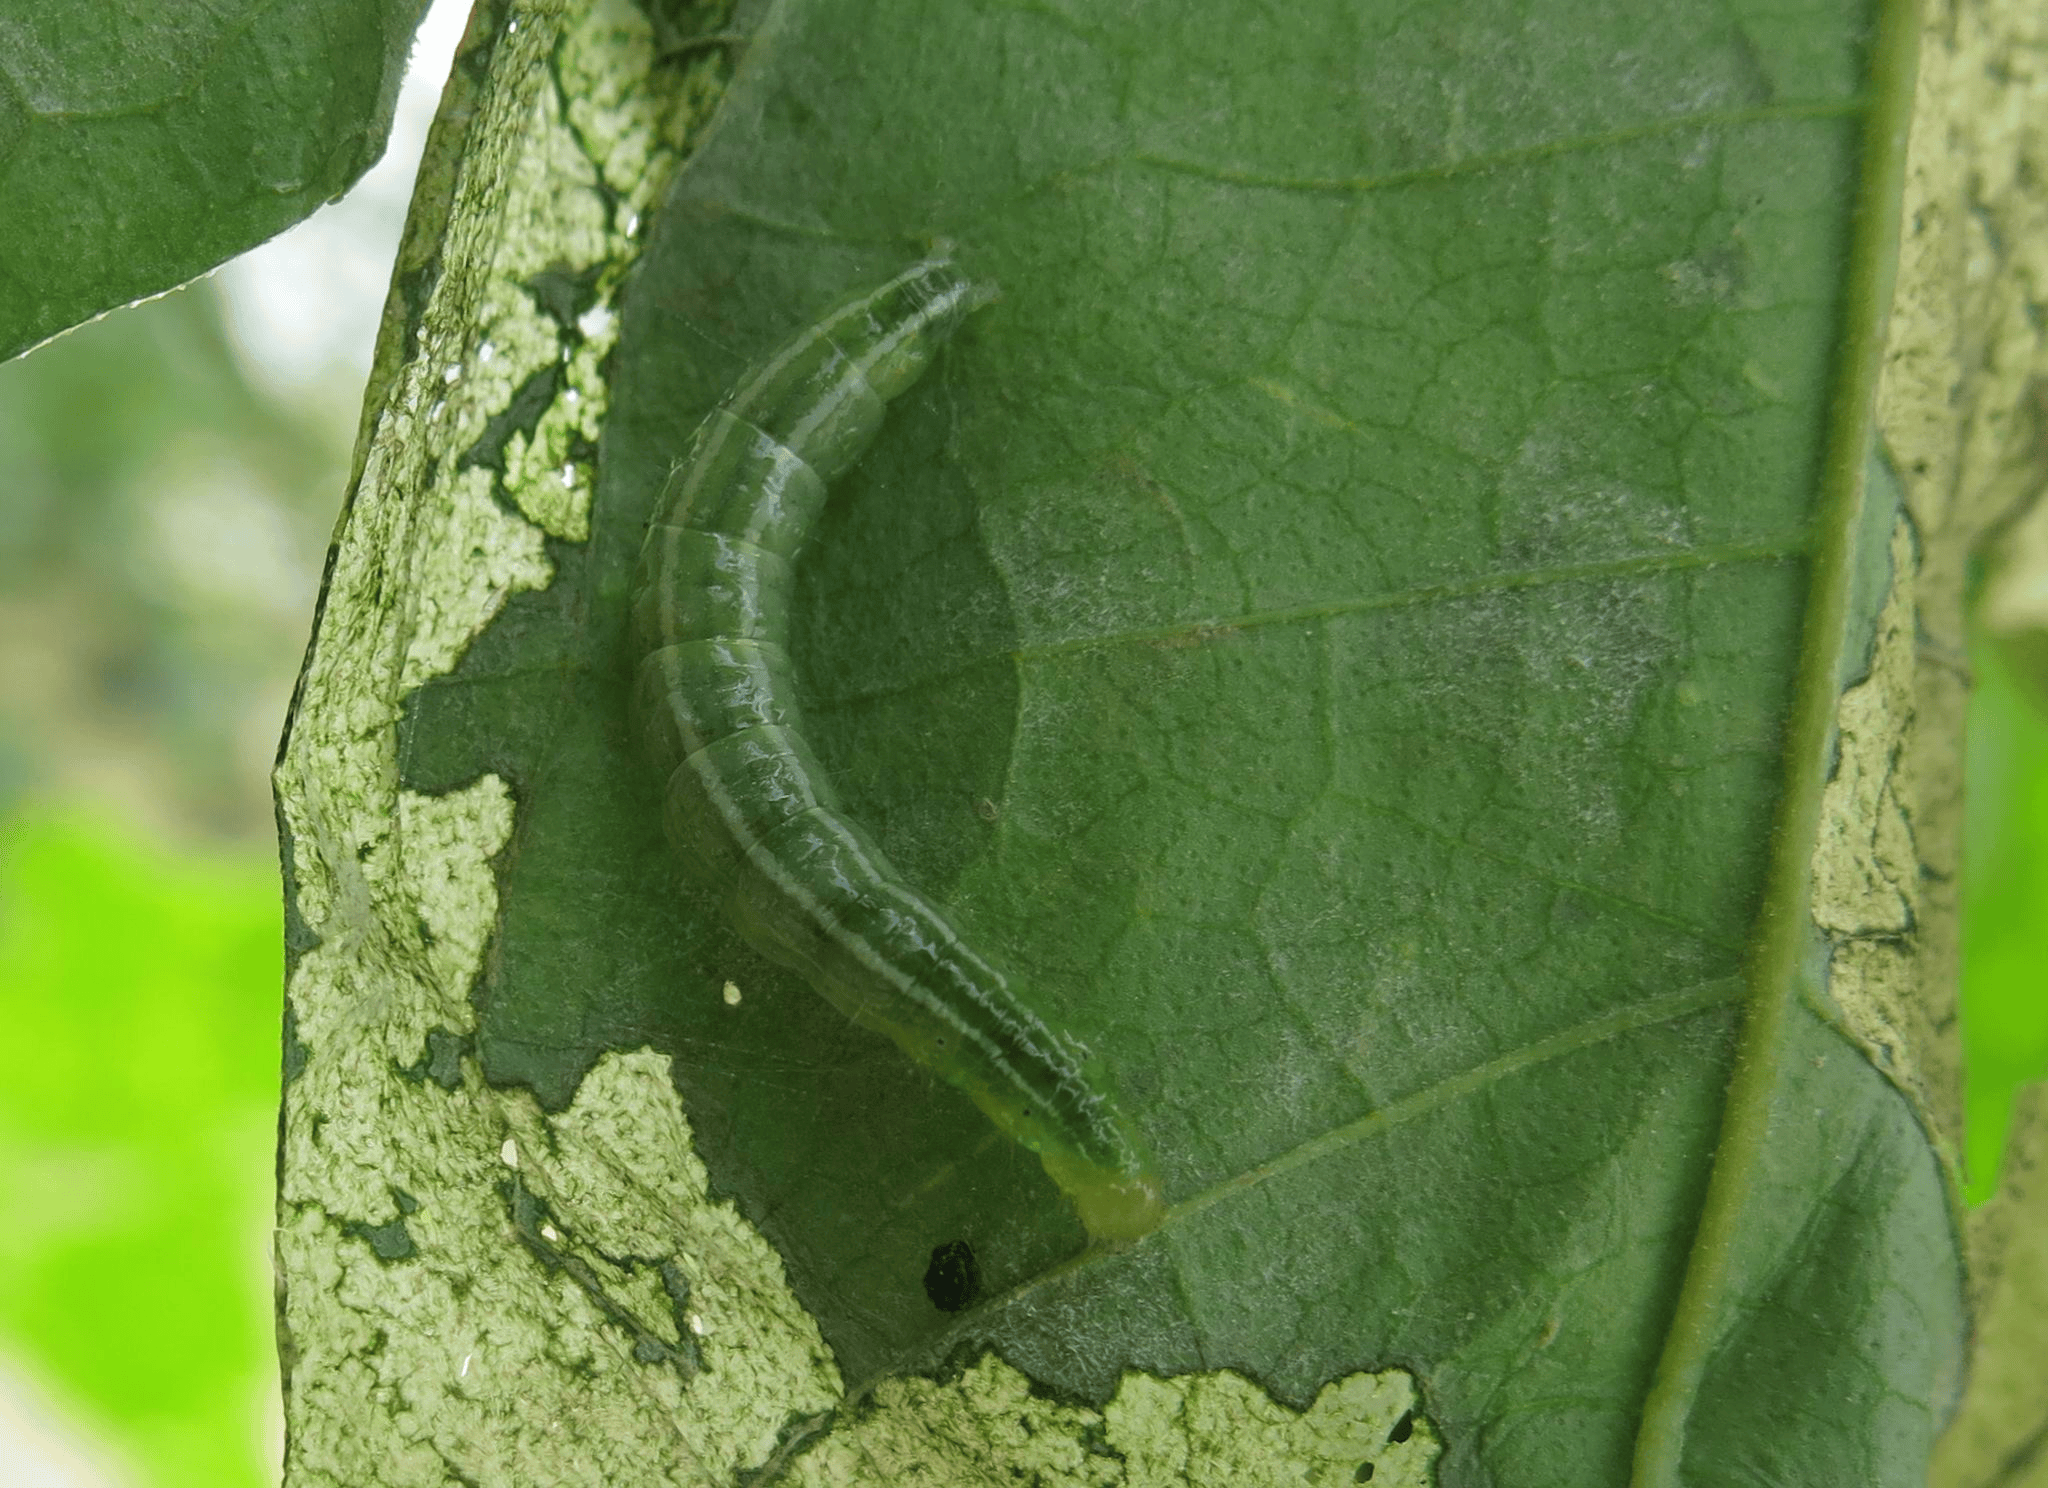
<point>141,144</point>
<point>1355,631</point>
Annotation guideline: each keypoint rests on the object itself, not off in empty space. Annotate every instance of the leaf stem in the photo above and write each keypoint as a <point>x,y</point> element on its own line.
<point>1783,938</point>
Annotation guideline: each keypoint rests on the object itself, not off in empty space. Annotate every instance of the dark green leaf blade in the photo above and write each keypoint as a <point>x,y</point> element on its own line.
<point>1361,568</point>
<point>143,144</point>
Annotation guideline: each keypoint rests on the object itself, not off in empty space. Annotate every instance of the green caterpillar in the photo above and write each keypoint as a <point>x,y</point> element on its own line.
<point>747,804</point>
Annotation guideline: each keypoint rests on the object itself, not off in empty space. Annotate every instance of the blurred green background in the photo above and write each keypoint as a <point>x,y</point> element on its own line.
<point>160,546</point>
<point>174,473</point>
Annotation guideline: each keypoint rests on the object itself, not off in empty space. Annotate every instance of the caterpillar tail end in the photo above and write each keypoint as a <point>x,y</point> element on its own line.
<point>1116,1208</point>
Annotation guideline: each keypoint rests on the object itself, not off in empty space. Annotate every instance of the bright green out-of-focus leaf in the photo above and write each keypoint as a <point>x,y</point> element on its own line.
<point>2005,924</point>
<point>143,143</point>
<point>137,1090</point>
<point>1342,631</point>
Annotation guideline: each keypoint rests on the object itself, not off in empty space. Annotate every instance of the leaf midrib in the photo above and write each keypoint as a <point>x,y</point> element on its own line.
<point>1784,927</point>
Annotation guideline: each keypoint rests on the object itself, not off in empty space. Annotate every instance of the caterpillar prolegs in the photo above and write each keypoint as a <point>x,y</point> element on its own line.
<point>746,802</point>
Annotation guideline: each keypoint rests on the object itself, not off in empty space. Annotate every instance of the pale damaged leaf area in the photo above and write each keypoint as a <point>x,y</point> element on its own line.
<point>1999,1439</point>
<point>1207,1431</point>
<point>471,1288</point>
<point>1966,358</point>
<point>591,159</point>
<point>1866,867</point>
<point>469,1285</point>
<point>1962,411</point>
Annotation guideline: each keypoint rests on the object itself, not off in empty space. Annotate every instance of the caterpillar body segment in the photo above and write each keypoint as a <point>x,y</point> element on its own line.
<point>747,803</point>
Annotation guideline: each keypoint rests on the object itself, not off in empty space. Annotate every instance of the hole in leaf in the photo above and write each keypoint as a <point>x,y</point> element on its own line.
<point>1403,1428</point>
